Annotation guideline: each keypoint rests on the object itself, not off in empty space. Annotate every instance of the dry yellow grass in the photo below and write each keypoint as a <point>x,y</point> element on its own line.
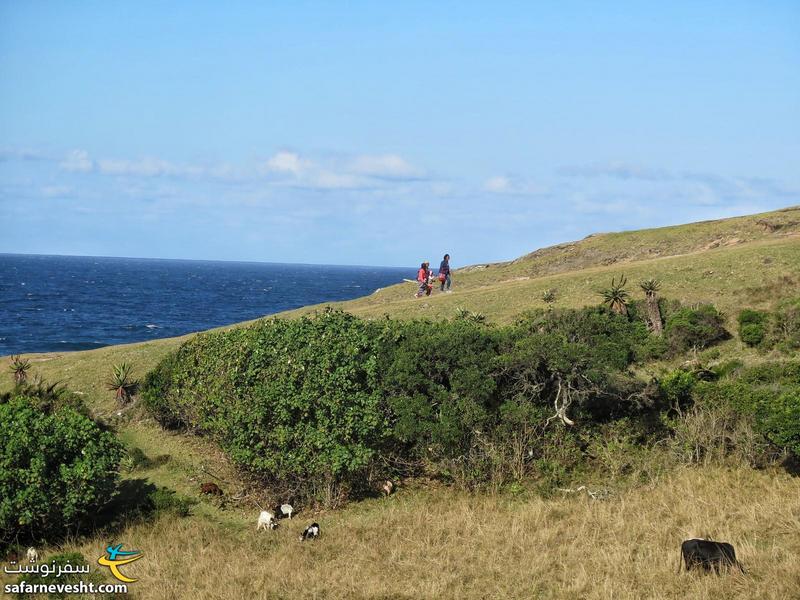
<point>446,544</point>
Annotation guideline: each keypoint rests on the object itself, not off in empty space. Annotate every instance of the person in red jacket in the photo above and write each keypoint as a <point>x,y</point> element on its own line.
<point>423,277</point>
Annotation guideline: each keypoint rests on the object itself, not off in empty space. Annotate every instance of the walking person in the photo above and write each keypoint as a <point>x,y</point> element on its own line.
<point>444,273</point>
<point>423,276</point>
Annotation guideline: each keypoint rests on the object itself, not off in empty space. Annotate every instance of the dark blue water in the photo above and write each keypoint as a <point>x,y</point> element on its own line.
<point>51,303</point>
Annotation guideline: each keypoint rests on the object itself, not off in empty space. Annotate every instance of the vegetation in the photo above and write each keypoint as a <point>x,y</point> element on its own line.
<point>121,382</point>
<point>695,328</point>
<point>753,326</point>
<point>20,368</point>
<point>320,406</point>
<point>549,296</point>
<point>651,287</point>
<point>57,466</point>
<point>616,296</point>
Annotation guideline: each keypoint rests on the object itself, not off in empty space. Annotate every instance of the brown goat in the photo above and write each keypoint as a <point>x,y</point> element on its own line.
<point>211,489</point>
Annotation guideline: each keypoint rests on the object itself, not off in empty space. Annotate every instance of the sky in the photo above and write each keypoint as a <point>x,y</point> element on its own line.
<point>387,133</point>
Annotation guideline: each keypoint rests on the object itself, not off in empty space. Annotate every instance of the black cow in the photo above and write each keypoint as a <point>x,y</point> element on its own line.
<point>708,555</point>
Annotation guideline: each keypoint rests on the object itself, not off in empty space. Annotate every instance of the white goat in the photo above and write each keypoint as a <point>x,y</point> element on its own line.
<point>33,555</point>
<point>284,510</point>
<point>266,520</point>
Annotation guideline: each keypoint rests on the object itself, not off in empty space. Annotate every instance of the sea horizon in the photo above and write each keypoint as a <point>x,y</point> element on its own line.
<point>51,303</point>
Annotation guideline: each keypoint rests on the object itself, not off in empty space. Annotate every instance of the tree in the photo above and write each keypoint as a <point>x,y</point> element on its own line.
<point>616,296</point>
<point>651,287</point>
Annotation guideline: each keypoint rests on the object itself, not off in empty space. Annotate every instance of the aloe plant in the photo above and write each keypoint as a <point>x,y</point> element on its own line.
<point>20,367</point>
<point>121,382</point>
<point>616,296</point>
<point>650,287</point>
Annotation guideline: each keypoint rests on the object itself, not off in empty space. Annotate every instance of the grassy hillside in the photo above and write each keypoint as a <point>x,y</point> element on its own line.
<point>443,543</point>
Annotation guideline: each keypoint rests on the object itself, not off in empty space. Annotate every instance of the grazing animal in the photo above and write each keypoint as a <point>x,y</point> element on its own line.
<point>311,532</point>
<point>387,487</point>
<point>266,520</point>
<point>708,555</point>
<point>33,555</point>
<point>210,489</point>
<point>283,511</point>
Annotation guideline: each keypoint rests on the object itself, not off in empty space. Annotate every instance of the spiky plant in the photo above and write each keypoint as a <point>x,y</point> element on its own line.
<point>616,296</point>
<point>20,368</point>
<point>468,315</point>
<point>121,382</point>
<point>650,287</point>
<point>549,297</point>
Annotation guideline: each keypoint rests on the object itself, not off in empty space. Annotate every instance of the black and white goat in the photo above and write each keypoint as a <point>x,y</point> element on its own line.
<point>310,533</point>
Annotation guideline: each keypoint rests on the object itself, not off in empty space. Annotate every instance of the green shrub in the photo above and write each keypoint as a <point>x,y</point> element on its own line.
<point>319,404</point>
<point>677,387</point>
<point>57,468</point>
<point>695,328</point>
<point>780,421</point>
<point>785,331</point>
<point>578,358</point>
<point>437,378</point>
<point>293,401</point>
<point>753,326</point>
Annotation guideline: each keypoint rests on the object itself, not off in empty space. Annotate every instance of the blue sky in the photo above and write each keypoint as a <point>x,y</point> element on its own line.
<point>387,133</point>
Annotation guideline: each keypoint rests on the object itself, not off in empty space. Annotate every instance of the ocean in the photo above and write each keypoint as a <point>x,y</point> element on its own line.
<point>56,303</point>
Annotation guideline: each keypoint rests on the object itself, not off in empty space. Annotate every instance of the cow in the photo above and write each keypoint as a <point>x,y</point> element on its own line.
<point>266,520</point>
<point>708,555</point>
<point>311,532</point>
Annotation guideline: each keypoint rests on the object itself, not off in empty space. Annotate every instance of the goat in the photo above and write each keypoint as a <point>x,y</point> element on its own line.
<point>283,511</point>
<point>387,487</point>
<point>211,489</point>
<point>266,520</point>
<point>310,533</point>
<point>33,555</point>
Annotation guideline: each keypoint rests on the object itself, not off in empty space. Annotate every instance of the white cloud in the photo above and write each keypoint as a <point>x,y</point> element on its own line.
<point>77,161</point>
<point>507,184</point>
<point>617,170</point>
<point>147,167</point>
<point>384,166</point>
<point>497,184</point>
<point>380,172</point>
<point>288,162</point>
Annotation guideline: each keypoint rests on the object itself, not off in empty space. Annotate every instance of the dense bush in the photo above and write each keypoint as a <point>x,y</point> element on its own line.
<point>695,328</point>
<point>575,359</point>
<point>437,378</point>
<point>290,400</point>
<point>785,331</point>
<point>753,326</point>
<point>322,404</point>
<point>57,466</point>
<point>738,414</point>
